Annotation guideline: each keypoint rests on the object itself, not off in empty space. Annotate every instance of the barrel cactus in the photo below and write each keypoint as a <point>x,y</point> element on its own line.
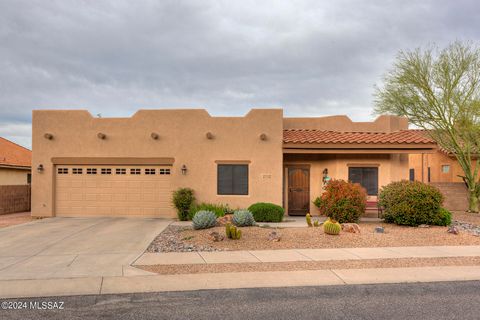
<point>243,218</point>
<point>204,220</point>
<point>331,227</point>
<point>233,232</point>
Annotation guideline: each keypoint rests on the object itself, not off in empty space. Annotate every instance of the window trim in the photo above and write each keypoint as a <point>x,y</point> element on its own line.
<point>219,165</point>
<point>367,167</point>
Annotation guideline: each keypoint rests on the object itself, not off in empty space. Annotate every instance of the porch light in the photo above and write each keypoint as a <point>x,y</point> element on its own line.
<point>209,136</point>
<point>154,136</point>
<point>48,136</point>
<point>184,170</point>
<point>263,137</point>
<point>325,178</point>
<point>40,168</point>
<point>101,135</point>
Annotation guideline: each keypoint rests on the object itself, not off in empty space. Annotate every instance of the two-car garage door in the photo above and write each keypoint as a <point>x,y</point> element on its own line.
<point>94,190</point>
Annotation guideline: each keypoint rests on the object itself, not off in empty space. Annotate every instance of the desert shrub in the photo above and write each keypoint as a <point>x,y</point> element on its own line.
<point>204,220</point>
<point>342,201</point>
<point>444,217</point>
<point>219,209</point>
<point>412,203</point>
<point>266,212</point>
<point>182,199</point>
<point>243,218</point>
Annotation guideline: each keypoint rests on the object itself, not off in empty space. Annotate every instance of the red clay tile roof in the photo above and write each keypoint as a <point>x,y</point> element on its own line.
<point>11,154</point>
<point>320,136</point>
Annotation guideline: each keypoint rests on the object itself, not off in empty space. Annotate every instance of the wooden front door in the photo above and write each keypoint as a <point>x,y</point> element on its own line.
<point>298,190</point>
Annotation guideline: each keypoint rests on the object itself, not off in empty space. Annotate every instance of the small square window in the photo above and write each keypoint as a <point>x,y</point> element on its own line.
<point>149,171</point>
<point>106,171</point>
<point>164,171</point>
<point>120,171</point>
<point>135,171</point>
<point>91,170</point>
<point>446,168</point>
<point>62,170</point>
<point>77,171</point>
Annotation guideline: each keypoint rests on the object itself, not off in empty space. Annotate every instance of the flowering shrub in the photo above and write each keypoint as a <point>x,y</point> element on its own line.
<point>342,201</point>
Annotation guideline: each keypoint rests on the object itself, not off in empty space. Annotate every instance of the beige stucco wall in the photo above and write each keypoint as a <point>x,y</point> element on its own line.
<point>391,167</point>
<point>182,136</point>
<point>435,161</point>
<point>9,176</point>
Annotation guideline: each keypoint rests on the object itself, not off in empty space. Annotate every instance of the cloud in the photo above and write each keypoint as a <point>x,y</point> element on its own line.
<point>113,57</point>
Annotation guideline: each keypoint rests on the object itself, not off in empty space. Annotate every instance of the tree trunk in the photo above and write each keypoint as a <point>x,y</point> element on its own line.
<point>472,201</point>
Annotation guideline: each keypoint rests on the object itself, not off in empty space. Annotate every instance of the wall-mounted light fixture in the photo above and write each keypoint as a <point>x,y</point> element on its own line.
<point>154,136</point>
<point>101,135</point>
<point>48,136</point>
<point>40,168</point>
<point>325,178</point>
<point>184,170</point>
<point>209,135</point>
<point>263,136</point>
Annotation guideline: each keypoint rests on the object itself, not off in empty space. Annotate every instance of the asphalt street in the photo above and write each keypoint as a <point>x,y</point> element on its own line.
<point>445,300</point>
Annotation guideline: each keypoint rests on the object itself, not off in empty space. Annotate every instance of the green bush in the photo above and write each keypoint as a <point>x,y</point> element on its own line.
<point>444,218</point>
<point>219,209</point>
<point>182,199</point>
<point>413,203</point>
<point>266,212</point>
<point>342,201</point>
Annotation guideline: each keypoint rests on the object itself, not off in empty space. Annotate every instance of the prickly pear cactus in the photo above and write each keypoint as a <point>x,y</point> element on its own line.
<point>204,220</point>
<point>308,217</point>
<point>243,218</point>
<point>331,227</point>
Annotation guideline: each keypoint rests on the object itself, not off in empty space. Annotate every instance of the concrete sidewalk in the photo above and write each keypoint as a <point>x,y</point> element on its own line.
<point>290,255</point>
<point>187,282</point>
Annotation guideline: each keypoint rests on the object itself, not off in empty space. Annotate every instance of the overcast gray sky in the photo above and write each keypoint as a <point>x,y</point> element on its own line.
<point>312,58</point>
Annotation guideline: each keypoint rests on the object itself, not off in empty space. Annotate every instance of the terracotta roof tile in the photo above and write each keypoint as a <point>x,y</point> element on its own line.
<point>320,136</point>
<point>11,154</point>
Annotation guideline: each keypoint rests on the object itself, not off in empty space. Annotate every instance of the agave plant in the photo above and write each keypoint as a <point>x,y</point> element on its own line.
<point>204,219</point>
<point>243,218</point>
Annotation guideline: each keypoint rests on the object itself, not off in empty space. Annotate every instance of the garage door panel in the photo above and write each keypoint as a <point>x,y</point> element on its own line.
<point>117,194</point>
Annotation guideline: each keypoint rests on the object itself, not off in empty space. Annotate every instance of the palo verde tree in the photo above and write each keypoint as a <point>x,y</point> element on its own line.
<point>439,91</point>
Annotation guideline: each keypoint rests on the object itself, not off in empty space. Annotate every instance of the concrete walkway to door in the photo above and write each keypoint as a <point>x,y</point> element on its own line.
<point>75,247</point>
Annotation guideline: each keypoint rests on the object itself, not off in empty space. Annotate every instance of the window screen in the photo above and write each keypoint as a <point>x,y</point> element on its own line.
<point>232,179</point>
<point>366,177</point>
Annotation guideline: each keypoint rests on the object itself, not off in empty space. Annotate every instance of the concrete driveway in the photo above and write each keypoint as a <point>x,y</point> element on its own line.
<point>75,247</point>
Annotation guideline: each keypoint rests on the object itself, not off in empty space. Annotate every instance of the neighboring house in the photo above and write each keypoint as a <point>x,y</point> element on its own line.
<point>440,166</point>
<point>86,166</point>
<point>442,170</point>
<point>15,162</point>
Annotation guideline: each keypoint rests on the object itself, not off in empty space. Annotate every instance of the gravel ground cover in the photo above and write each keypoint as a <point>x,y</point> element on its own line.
<point>184,239</point>
<point>312,265</point>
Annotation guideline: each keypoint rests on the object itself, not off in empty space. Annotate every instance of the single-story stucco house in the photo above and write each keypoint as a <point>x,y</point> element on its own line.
<point>15,162</point>
<point>86,166</point>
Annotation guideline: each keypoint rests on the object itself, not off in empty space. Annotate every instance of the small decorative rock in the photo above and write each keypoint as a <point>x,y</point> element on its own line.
<point>379,230</point>
<point>453,230</point>
<point>225,219</point>
<point>274,236</point>
<point>424,226</point>
<point>351,227</point>
<point>216,237</point>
